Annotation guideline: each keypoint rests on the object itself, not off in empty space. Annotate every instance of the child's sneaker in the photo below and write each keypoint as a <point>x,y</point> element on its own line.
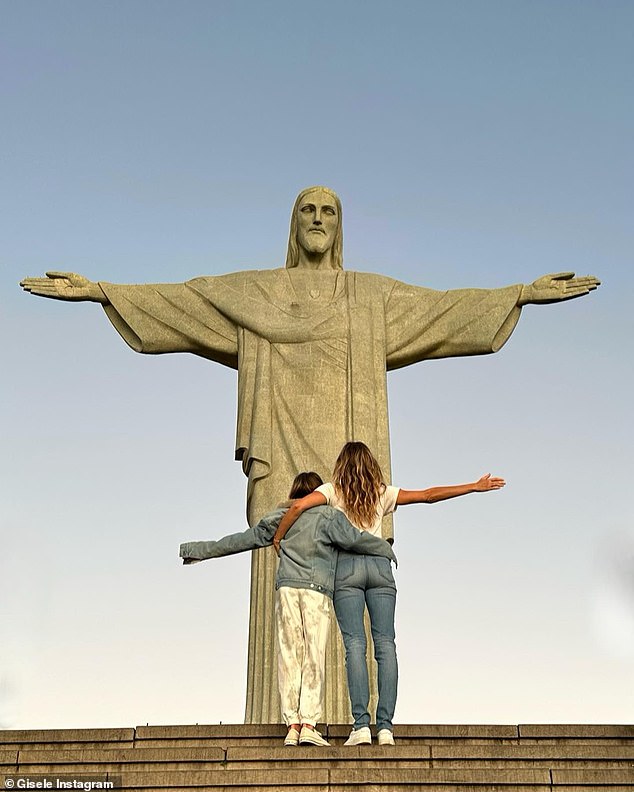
<point>311,737</point>
<point>292,738</point>
<point>385,737</point>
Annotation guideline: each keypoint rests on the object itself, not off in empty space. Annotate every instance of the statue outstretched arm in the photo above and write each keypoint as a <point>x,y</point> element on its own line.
<point>65,286</point>
<point>485,483</point>
<point>425,324</point>
<point>556,287</point>
<point>151,318</point>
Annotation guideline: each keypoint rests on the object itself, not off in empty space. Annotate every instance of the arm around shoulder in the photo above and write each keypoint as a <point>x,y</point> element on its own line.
<point>294,511</point>
<point>345,536</point>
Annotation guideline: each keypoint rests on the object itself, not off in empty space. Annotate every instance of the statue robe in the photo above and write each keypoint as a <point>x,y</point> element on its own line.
<point>312,348</point>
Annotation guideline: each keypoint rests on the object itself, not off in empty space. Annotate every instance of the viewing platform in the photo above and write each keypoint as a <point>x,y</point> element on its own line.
<point>237,758</point>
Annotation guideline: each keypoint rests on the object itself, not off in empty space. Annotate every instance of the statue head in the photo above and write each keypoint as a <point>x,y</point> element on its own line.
<point>316,232</point>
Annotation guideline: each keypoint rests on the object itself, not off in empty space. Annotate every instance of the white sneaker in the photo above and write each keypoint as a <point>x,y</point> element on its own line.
<point>360,736</point>
<point>385,737</point>
<point>311,737</point>
<point>292,738</point>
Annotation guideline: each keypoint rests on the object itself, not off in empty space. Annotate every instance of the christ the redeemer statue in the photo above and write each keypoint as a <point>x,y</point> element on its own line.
<point>312,344</point>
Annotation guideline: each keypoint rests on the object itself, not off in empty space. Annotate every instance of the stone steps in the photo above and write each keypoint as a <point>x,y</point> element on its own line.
<point>251,757</point>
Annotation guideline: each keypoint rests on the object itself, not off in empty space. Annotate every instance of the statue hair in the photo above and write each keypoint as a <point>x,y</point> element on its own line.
<point>358,480</point>
<point>292,255</point>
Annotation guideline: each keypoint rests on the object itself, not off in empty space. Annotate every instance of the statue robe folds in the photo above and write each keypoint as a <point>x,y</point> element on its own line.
<point>312,348</point>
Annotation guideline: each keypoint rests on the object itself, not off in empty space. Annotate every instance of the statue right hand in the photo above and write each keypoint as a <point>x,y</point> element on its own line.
<point>557,287</point>
<point>65,286</point>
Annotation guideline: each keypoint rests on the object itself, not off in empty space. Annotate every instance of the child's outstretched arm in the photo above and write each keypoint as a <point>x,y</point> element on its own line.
<point>434,494</point>
<point>260,535</point>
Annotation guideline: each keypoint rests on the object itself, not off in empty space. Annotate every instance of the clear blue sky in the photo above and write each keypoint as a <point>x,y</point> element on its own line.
<point>473,144</point>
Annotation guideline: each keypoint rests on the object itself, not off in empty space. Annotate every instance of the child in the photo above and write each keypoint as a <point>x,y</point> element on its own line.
<point>304,588</point>
<point>358,489</point>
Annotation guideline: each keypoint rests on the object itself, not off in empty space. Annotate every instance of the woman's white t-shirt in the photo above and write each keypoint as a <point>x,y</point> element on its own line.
<point>386,505</point>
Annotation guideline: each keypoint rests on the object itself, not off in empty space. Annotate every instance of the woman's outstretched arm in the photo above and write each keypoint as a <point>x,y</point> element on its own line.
<point>295,509</point>
<point>434,494</point>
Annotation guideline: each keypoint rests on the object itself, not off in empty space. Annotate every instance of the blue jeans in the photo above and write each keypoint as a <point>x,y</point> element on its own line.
<point>367,580</point>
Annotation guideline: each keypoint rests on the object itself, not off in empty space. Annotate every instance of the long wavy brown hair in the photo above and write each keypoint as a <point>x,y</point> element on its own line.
<point>358,480</point>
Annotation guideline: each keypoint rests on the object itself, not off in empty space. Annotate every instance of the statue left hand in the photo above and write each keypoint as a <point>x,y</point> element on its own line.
<point>556,287</point>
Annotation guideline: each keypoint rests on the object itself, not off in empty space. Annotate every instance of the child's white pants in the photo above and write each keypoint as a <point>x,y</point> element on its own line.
<point>302,619</point>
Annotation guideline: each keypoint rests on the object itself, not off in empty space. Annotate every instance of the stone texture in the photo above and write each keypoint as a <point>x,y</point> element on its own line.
<point>585,777</point>
<point>8,758</point>
<point>49,736</point>
<point>431,733</point>
<point>442,776</point>
<point>234,731</point>
<point>576,731</point>
<point>113,758</point>
<point>532,751</point>
<point>430,786</point>
<point>275,779</point>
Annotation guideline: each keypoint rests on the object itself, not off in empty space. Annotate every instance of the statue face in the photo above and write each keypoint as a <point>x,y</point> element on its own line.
<point>317,222</point>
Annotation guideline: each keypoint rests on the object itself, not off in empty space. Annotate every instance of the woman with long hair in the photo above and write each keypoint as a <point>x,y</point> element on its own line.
<point>358,489</point>
<point>304,586</point>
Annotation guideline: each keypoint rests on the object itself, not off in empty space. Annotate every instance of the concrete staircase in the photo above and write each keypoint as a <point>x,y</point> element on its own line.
<point>251,758</point>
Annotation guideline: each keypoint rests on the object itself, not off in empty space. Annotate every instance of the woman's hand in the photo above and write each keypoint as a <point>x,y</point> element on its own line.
<point>487,482</point>
<point>297,507</point>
